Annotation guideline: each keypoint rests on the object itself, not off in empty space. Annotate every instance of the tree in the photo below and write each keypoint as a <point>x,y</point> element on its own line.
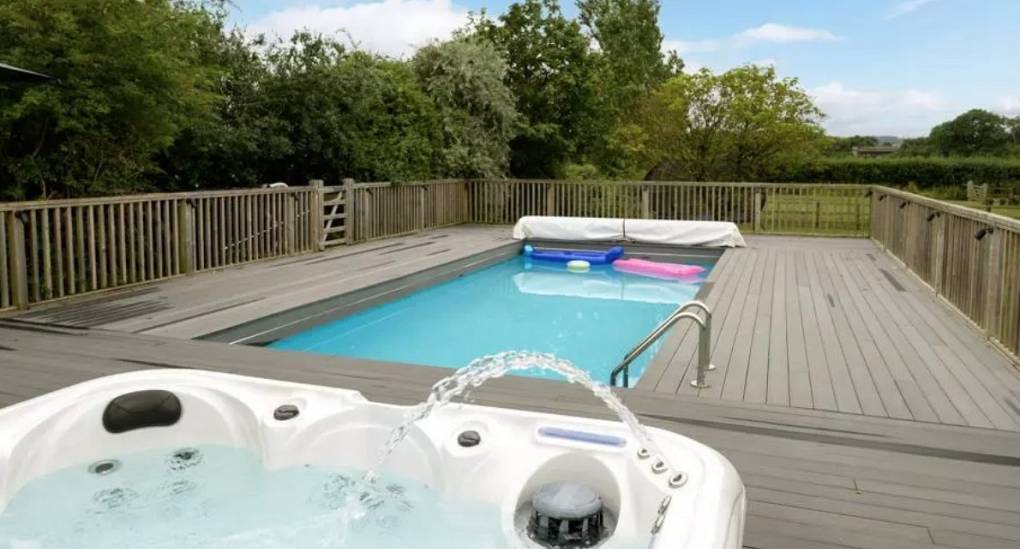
<point>739,125</point>
<point>1014,135</point>
<point>915,146</point>
<point>629,64</point>
<point>348,113</point>
<point>629,51</point>
<point>132,76</point>
<point>549,70</point>
<point>243,139</point>
<point>975,132</point>
<point>465,80</point>
<point>843,146</point>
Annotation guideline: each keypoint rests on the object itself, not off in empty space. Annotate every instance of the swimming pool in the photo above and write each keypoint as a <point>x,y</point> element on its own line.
<point>591,319</point>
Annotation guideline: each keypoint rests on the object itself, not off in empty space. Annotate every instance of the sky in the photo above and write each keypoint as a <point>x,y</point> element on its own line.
<point>875,67</point>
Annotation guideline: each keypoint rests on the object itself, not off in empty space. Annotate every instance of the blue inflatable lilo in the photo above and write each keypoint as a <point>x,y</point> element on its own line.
<point>563,256</point>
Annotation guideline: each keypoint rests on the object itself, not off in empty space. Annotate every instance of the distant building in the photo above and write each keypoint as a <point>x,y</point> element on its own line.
<point>874,152</point>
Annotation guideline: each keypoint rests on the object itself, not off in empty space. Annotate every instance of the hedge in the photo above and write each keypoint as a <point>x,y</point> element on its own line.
<point>918,172</point>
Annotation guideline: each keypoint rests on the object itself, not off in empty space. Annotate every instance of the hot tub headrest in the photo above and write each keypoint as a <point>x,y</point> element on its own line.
<point>149,408</point>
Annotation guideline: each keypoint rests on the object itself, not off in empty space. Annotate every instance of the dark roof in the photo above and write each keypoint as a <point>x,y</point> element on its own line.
<point>14,74</point>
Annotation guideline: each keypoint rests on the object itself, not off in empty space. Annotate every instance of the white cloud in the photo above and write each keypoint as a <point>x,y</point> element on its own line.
<point>767,33</point>
<point>785,34</point>
<point>905,113</point>
<point>907,7</point>
<point>1009,105</point>
<point>391,27</point>
<point>690,46</point>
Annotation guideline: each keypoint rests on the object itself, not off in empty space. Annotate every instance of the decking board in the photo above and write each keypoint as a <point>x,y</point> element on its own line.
<point>815,478</point>
<point>817,323</point>
<point>814,345</point>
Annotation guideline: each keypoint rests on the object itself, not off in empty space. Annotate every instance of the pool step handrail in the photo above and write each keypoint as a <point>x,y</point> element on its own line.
<point>704,344</point>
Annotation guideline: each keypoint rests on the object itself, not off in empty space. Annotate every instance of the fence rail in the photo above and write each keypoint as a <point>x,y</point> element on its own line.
<point>839,210</point>
<point>59,248</point>
<point>386,209</point>
<point>968,257</point>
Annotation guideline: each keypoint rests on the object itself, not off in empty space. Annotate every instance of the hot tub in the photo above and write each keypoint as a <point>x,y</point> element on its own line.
<point>170,458</point>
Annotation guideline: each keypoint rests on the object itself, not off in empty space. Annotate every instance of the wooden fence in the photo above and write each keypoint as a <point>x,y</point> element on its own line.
<point>969,257</point>
<point>839,210</point>
<point>382,210</point>
<point>59,248</point>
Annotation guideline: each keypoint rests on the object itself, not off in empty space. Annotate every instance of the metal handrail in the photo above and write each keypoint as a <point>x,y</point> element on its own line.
<point>704,343</point>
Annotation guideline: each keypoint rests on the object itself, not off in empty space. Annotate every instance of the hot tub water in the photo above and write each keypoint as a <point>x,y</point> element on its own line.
<point>228,499</point>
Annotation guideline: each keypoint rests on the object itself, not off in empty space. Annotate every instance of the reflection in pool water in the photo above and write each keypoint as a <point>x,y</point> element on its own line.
<point>591,319</point>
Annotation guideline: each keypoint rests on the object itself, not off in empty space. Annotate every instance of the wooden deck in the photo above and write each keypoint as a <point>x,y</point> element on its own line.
<point>814,323</point>
<point>194,306</point>
<point>859,409</point>
<point>815,479</point>
<point>837,324</point>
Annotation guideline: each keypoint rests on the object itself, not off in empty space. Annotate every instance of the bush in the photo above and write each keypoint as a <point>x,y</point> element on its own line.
<point>922,173</point>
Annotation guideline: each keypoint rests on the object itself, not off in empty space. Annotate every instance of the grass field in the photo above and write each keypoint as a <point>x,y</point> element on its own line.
<point>1008,211</point>
<point>816,214</point>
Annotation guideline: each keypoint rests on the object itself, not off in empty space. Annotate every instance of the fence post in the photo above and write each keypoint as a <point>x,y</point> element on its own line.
<point>315,223</point>
<point>186,235</point>
<point>421,207</point>
<point>18,263</point>
<point>940,252</point>
<point>877,228</point>
<point>993,282</point>
<point>289,223</point>
<point>646,209</point>
<point>757,210</point>
<point>349,210</point>
<point>550,200</point>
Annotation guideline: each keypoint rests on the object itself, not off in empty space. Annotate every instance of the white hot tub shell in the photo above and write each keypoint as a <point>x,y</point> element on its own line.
<point>519,451</point>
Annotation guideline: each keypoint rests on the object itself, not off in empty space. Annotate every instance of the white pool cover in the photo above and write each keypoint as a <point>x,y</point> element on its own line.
<point>645,231</point>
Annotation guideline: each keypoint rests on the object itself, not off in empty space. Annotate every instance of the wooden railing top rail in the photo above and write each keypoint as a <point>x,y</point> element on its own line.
<point>988,218</point>
<point>388,184</point>
<point>725,184</point>
<point>133,198</point>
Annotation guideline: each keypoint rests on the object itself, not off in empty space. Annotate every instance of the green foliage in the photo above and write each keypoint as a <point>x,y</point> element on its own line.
<point>740,125</point>
<point>975,132</point>
<point>629,46</point>
<point>924,173</point>
<point>918,146</point>
<point>550,71</point>
<point>308,108</point>
<point>132,77</point>
<point>243,138</point>
<point>347,113</point>
<point>465,80</point>
<point>156,95</point>
<point>628,65</point>
<point>844,146</point>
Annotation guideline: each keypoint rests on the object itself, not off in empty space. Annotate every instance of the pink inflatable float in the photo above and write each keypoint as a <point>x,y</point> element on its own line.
<point>657,270</point>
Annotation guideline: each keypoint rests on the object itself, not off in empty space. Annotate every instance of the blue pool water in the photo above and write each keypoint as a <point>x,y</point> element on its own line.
<point>591,319</point>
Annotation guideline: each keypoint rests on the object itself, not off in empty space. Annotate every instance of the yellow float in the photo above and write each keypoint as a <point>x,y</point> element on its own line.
<point>578,266</point>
